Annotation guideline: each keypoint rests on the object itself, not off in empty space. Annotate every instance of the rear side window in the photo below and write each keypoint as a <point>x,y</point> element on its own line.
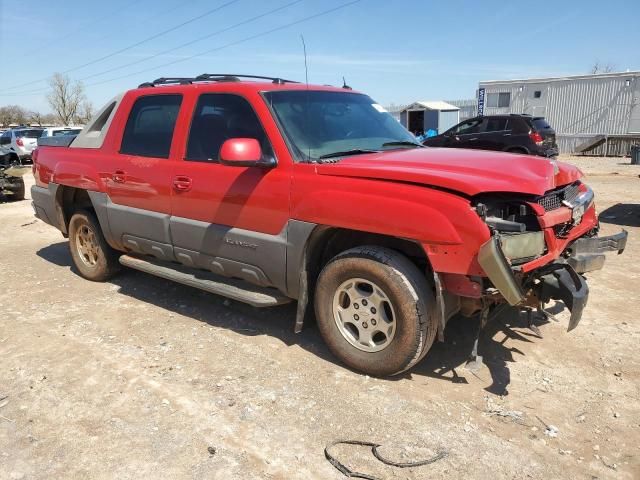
<point>541,124</point>
<point>150,126</point>
<point>219,117</point>
<point>495,124</point>
<point>31,133</point>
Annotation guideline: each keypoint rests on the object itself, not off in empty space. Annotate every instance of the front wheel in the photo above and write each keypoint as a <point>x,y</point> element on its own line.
<point>92,256</point>
<point>375,310</point>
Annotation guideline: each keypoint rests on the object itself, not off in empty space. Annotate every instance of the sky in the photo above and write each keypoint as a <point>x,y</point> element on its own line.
<point>395,51</point>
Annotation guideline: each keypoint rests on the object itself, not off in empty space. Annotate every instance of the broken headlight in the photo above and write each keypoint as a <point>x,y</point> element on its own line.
<point>516,226</point>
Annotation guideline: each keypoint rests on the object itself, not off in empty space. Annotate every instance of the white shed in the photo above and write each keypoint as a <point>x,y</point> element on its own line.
<point>420,117</point>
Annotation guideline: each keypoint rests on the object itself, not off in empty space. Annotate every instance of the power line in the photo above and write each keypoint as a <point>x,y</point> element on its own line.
<point>199,39</point>
<point>119,11</point>
<point>169,50</point>
<point>180,5</point>
<point>129,47</point>
<point>237,42</point>
<point>231,44</point>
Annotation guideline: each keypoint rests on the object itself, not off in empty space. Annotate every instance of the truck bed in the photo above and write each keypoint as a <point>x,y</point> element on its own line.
<point>59,141</point>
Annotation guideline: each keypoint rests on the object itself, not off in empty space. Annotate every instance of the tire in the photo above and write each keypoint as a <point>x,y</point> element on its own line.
<point>384,340</point>
<point>18,192</point>
<point>92,256</point>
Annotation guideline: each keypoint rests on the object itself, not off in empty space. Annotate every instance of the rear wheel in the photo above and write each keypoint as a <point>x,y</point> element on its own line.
<point>374,310</point>
<point>92,256</point>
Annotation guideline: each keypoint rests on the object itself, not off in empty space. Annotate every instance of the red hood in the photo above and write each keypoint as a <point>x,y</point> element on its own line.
<point>467,171</point>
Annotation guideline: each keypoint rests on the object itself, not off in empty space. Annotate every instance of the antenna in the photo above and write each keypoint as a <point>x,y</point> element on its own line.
<point>306,81</point>
<point>344,84</point>
<point>306,70</point>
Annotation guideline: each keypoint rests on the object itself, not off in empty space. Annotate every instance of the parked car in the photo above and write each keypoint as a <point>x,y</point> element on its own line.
<point>21,141</point>
<point>272,191</point>
<point>58,131</point>
<point>507,133</point>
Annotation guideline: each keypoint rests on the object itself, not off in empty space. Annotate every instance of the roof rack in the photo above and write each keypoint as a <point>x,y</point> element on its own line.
<point>210,77</point>
<point>232,77</point>
<point>167,81</point>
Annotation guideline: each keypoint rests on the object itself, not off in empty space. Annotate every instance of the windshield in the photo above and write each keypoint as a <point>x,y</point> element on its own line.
<point>321,124</point>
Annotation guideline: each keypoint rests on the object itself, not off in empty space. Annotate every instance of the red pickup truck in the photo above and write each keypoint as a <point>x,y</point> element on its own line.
<point>267,191</point>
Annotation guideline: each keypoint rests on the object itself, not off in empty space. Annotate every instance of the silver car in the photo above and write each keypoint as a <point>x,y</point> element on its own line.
<point>20,141</point>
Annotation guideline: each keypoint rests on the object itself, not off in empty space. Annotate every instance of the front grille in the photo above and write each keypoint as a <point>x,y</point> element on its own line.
<point>553,199</point>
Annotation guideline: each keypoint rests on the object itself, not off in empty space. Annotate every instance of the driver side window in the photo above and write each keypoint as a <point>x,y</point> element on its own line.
<point>471,126</point>
<point>219,117</point>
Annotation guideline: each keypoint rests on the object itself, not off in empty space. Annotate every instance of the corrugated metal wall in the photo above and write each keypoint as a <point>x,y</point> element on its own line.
<point>615,147</point>
<point>582,106</point>
<point>468,107</point>
<point>586,105</point>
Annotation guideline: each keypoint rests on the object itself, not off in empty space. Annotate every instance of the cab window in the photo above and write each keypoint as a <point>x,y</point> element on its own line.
<point>219,117</point>
<point>150,126</point>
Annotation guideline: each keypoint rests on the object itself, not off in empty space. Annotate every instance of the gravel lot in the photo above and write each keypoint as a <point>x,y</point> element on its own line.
<point>142,378</point>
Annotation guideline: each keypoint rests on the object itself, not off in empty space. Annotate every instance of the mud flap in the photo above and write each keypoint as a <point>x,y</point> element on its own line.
<point>566,285</point>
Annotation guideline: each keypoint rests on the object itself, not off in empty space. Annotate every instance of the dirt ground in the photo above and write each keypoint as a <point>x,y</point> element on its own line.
<point>141,378</point>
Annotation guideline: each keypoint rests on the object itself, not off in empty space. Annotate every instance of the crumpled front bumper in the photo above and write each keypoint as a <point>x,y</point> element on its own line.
<point>587,253</point>
<point>560,280</point>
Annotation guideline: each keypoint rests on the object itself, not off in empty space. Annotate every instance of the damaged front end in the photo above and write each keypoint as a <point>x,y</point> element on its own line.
<point>540,247</point>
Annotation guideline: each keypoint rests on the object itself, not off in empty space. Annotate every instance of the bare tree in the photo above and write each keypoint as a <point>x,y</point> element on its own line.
<point>85,113</point>
<point>12,114</point>
<point>50,119</point>
<point>66,98</point>
<point>599,67</point>
<point>36,118</point>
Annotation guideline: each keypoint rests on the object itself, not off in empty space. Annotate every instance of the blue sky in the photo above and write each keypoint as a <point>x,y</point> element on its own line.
<point>396,51</point>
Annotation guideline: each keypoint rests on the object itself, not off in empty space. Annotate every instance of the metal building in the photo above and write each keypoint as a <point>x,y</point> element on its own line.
<point>596,114</point>
<point>420,117</point>
<point>468,107</point>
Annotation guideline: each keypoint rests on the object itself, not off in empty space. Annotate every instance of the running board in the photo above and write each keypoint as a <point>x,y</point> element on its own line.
<point>209,282</point>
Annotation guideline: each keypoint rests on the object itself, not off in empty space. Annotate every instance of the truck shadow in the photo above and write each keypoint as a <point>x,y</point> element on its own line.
<point>446,361</point>
<point>624,214</point>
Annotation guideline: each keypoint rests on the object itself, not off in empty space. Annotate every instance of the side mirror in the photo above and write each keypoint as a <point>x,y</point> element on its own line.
<point>243,152</point>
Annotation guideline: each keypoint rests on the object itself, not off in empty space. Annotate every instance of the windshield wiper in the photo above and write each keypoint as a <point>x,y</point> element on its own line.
<point>345,153</point>
<point>402,143</point>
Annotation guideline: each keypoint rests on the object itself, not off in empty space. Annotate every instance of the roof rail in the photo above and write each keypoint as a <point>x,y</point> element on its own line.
<point>210,77</point>
<point>233,77</point>
<point>167,81</point>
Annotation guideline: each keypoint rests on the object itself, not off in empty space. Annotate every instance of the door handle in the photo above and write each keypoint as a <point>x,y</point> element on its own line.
<point>119,176</point>
<point>473,139</point>
<point>182,183</point>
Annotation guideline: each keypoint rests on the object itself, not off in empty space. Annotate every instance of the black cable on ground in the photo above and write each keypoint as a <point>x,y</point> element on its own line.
<point>374,450</point>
